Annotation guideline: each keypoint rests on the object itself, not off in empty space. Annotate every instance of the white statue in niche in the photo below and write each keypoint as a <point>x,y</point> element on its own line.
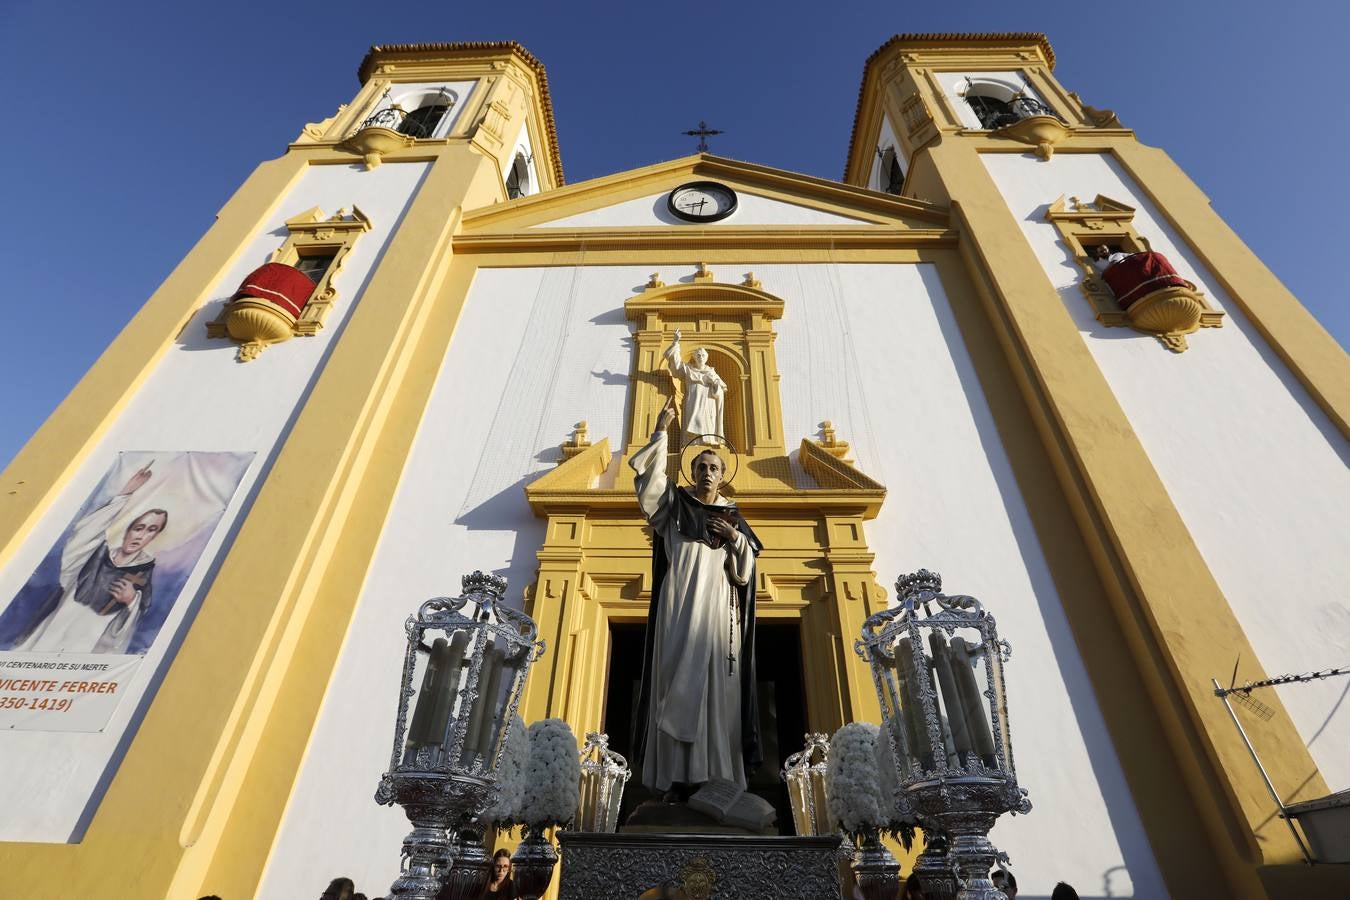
<point>705,392</point>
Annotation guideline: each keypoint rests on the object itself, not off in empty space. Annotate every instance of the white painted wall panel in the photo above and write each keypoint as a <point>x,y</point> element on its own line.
<point>874,348</point>
<point>752,209</point>
<point>50,783</point>
<point>1255,468</point>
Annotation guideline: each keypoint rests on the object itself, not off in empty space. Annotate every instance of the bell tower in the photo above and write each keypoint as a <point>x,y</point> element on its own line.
<point>1137,380</point>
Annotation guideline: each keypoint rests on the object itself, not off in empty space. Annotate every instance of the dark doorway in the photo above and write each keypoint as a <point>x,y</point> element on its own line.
<point>782,708</point>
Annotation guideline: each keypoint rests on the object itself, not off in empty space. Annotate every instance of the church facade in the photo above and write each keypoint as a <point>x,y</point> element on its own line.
<point>1141,473</point>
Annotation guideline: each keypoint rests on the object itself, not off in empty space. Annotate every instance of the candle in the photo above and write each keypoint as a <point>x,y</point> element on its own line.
<point>481,715</point>
<point>951,695</point>
<point>894,715</point>
<point>448,687</point>
<point>977,724</point>
<point>419,730</point>
<point>916,725</point>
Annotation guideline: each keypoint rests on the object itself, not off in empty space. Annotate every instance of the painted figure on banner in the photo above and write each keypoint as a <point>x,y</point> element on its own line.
<point>109,582</point>
<point>704,392</point>
<point>697,716</point>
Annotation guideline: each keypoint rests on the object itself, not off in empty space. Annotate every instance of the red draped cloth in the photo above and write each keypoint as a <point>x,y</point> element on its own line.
<point>284,285</point>
<point>1139,275</point>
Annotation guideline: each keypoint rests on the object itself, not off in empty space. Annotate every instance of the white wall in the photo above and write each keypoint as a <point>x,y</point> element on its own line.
<point>751,209</point>
<point>50,783</point>
<point>1255,468</point>
<point>874,348</point>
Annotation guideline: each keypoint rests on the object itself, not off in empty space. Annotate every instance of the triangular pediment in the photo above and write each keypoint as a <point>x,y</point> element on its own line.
<point>768,197</point>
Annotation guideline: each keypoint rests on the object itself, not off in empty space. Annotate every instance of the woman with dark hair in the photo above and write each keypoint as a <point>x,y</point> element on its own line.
<point>1063,891</point>
<point>339,889</point>
<point>501,887</point>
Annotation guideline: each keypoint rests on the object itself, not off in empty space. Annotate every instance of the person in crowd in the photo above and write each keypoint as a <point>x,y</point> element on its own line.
<point>1006,882</point>
<point>500,887</point>
<point>1063,891</point>
<point>913,888</point>
<point>1103,257</point>
<point>339,889</point>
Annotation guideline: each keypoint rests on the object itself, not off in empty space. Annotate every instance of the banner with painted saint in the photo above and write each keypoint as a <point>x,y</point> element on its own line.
<point>76,631</point>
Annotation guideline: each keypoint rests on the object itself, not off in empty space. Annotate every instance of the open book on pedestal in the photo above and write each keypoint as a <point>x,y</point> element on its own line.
<point>732,805</point>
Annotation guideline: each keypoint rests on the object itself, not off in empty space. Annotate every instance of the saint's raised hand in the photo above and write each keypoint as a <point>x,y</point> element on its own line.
<point>667,416</point>
<point>137,480</point>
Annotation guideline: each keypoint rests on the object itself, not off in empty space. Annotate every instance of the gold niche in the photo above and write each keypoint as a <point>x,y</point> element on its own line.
<point>256,322</point>
<point>1168,314</point>
<point>595,563</point>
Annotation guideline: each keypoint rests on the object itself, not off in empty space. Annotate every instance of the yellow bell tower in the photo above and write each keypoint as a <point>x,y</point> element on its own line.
<point>220,729</point>
<point>1036,179</point>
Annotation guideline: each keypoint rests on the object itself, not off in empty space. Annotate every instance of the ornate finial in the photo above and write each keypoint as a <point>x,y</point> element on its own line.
<point>751,281</point>
<point>578,443</point>
<point>655,282</point>
<point>598,738</point>
<point>340,215</point>
<point>830,441</point>
<point>479,582</point>
<point>703,274</point>
<point>920,582</point>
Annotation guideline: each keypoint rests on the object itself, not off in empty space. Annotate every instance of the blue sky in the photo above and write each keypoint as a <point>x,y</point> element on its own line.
<point>131,124</point>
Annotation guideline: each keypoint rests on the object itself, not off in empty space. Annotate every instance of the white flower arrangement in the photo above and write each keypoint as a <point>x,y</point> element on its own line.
<point>903,829</point>
<point>552,776</point>
<point>511,776</point>
<point>851,782</point>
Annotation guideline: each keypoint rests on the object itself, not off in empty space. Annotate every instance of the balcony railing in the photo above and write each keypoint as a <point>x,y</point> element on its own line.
<point>396,119</point>
<point>994,113</point>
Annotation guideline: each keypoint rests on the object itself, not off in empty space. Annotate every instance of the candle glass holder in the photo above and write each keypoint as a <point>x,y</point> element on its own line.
<point>804,773</point>
<point>465,663</point>
<point>603,776</point>
<point>937,665</point>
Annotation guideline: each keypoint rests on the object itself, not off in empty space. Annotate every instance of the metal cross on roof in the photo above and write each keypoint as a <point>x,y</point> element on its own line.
<point>703,132</point>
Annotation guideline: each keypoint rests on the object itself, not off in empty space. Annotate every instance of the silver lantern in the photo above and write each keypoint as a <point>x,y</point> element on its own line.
<point>603,776</point>
<point>804,773</point>
<point>463,670</point>
<point>937,663</point>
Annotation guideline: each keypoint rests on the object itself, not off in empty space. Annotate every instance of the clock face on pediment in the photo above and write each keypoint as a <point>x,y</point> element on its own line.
<point>702,201</point>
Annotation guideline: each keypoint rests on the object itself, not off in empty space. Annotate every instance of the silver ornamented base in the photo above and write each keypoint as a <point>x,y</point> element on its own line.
<point>532,865</point>
<point>471,869</point>
<point>697,866</point>
<point>435,803</point>
<point>966,809</point>
<point>876,870</point>
<point>933,868</point>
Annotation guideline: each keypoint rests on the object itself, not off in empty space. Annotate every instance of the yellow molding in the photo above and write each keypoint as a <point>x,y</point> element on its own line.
<point>49,459</point>
<point>753,243</point>
<point>801,190</point>
<point>1144,553</point>
<point>1314,357</point>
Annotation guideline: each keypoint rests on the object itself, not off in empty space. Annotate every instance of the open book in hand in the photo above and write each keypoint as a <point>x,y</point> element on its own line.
<point>731,805</point>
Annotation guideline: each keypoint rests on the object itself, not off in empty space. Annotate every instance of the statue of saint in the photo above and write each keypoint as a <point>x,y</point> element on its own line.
<point>704,391</point>
<point>697,716</point>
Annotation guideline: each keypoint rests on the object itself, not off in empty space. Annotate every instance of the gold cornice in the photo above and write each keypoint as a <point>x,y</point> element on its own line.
<point>794,187</point>
<point>384,53</point>
<point>768,237</point>
<point>934,41</point>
